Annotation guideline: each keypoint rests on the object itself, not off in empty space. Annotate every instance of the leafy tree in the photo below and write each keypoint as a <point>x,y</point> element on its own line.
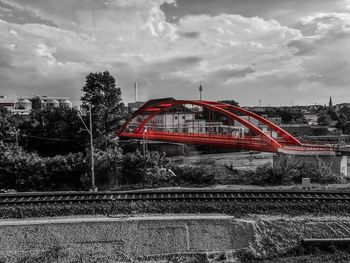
<point>5,124</point>
<point>289,115</point>
<point>22,170</point>
<point>324,119</point>
<point>137,166</point>
<point>8,124</point>
<point>53,131</point>
<point>108,109</point>
<point>342,122</point>
<point>37,104</point>
<point>333,114</point>
<point>231,102</point>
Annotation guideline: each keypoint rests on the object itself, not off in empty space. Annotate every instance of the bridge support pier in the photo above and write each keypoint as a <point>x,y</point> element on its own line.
<point>337,163</point>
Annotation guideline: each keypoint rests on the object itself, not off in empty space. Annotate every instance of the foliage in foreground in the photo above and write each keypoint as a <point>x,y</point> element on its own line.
<point>153,169</point>
<point>290,170</point>
<point>25,171</point>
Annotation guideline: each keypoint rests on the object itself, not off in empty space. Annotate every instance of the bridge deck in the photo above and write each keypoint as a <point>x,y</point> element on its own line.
<point>248,143</point>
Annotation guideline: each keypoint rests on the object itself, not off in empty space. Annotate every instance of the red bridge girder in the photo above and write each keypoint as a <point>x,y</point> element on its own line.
<point>260,140</point>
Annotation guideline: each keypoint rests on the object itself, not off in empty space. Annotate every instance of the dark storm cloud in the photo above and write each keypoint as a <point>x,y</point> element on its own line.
<point>285,11</point>
<point>175,64</point>
<point>189,34</point>
<point>13,14</point>
<point>228,73</point>
<point>63,13</point>
<point>302,46</point>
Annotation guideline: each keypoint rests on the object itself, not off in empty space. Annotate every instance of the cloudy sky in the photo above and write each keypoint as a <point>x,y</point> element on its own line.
<point>278,51</point>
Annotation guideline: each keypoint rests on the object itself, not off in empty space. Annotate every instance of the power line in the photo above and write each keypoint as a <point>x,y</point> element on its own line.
<point>48,138</point>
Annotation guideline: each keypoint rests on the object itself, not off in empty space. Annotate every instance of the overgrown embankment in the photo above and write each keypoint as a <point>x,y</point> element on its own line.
<point>238,209</point>
<point>278,239</point>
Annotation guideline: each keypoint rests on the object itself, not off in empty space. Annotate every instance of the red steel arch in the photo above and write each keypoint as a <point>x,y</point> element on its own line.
<point>285,135</point>
<point>261,141</point>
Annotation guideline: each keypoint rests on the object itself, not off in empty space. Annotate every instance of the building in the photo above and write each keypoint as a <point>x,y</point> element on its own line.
<point>330,104</point>
<point>134,106</point>
<point>311,119</point>
<point>24,105</point>
<point>174,120</point>
<point>7,103</point>
<point>263,127</point>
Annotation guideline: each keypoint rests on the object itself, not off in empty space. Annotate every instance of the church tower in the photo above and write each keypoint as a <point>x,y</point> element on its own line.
<point>330,104</point>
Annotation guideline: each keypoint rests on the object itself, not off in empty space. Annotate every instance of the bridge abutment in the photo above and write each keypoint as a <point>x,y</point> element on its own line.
<point>337,163</point>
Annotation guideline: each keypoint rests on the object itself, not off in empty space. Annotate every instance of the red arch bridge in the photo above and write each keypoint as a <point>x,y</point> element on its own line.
<point>210,123</point>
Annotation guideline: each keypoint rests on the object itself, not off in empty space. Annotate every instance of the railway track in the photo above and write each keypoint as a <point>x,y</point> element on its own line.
<point>174,195</point>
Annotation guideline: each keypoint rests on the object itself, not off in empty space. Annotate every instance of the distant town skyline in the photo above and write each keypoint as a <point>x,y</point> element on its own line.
<point>277,52</point>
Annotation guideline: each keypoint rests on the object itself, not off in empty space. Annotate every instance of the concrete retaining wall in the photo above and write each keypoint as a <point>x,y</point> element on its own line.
<point>169,238</point>
<point>119,239</point>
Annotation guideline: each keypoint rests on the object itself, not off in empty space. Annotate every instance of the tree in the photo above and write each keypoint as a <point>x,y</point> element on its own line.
<point>108,109</point>
<point>52,131</point>
<point>324,119</point>
<point>5,125</point>
<point>231,102</point>
<point>9,125</point>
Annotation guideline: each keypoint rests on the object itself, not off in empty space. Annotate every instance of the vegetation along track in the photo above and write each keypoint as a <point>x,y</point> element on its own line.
<point>175,195</point>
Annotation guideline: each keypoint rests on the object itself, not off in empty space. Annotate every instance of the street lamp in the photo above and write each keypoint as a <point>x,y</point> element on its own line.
<point>89,130</point>
<point>144,137</point>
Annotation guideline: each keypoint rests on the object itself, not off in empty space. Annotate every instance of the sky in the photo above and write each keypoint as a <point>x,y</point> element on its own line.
<point>281,52</point>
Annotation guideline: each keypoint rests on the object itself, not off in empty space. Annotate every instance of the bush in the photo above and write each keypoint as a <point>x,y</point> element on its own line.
<point>140,168</point>
<point>289,170</point>
<point>21,170</point>
<point>108,167</point>
<point>194,175</point>
<point>25,171</point>
<point>154,170</point>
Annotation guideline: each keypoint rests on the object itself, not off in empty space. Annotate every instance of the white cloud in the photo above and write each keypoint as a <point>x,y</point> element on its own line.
<point>45,52</point>
<point>13,32</point>
<point>11,47</point>
<point>347,4</point>
<point>134,41</point>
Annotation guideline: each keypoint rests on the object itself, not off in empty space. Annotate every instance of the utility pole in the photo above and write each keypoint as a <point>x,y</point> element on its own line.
<point>93,186</point>
<point>89,130</point>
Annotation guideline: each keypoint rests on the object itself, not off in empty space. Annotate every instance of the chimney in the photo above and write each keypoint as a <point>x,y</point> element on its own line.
<point>135,91</point>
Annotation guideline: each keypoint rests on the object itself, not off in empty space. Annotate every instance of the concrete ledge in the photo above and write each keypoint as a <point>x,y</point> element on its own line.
<point>120,238</point>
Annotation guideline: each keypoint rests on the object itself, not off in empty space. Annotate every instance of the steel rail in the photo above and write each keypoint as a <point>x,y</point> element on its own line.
<point>175,195</point>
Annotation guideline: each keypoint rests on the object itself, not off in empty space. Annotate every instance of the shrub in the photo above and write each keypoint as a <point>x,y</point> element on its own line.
<point>194,175</point>
<point>289,170</point>
<point>25,171</point>
<point>19,169</point>
<point>140,168</point>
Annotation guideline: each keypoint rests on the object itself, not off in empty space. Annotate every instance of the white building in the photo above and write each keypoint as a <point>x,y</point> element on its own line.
<point>261,126</point>
<point>174,120</point>
<point>24,105</point>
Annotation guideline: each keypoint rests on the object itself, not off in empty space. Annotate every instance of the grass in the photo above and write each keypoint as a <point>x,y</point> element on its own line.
<point>237,208</point>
